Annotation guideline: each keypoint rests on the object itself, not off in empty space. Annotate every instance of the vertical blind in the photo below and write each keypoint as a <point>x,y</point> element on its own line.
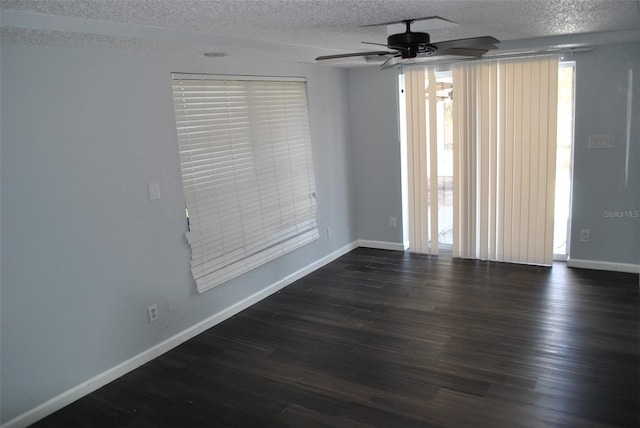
<point>505,115</point>
<point>247,171</point>
<point>422,165</point>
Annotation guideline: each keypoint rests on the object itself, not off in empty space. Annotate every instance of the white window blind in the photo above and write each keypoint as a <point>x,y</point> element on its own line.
<point>247,171</point>
<point>422,152</point>
<point>505,115</point>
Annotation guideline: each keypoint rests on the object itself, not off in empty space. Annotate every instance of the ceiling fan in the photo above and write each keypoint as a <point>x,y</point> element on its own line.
<point>416,44</point>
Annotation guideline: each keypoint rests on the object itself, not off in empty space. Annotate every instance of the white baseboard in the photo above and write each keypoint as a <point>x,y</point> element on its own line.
<point>381,245</point>
<point>600,265</point>
<point>68,397</point>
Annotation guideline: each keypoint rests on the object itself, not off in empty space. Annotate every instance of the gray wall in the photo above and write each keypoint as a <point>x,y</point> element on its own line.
<point>376,153</point>
<point>598,175</point>
<point>601,94</point>
<point>84,250</point>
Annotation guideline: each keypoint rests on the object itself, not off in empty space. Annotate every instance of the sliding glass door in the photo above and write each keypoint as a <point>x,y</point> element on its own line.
<point>483,170</point>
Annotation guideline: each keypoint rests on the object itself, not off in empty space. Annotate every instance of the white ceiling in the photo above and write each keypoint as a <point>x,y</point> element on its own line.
<point>300,30</point>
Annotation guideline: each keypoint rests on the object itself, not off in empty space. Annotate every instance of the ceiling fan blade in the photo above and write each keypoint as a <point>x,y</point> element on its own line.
<point>397,48</point>
<point>353,54</point>
<point>461,52</point>
<point>487,47</point>
<point>375,44</point>
<point>402,21</point>
<point>471,42</point>
<point>389,63</point>
<point>386,61</point>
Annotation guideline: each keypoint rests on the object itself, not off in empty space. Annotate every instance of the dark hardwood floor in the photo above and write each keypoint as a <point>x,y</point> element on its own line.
<point>387,339</point>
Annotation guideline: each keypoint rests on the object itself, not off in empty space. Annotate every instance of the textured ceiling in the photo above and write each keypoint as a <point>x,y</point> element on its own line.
<point>299,30</point>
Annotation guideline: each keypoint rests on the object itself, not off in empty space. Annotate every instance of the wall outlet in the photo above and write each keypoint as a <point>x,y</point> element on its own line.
<point>601,141</point>
<point>152,311</point>
<point>392,222</point>
<point>585,235</point>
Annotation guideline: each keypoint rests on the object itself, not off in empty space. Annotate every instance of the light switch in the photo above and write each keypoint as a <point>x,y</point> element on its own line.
<point>154,191</point>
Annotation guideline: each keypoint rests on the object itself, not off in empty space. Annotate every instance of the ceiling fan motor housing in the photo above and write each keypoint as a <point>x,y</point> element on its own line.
<point>409,44</point>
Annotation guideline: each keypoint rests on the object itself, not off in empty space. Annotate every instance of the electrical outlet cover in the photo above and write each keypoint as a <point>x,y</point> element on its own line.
<point>585,235</point>
<point>152,311</point>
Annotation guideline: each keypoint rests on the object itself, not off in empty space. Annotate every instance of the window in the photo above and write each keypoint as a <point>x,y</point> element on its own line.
<point>247,171</point>
<point>566,77</point>
<point>444,119</point>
